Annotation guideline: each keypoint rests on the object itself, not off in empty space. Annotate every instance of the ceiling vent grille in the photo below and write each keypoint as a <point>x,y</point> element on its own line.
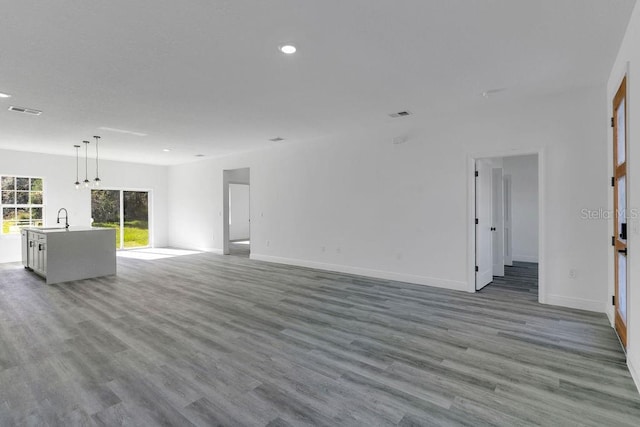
<point>400,114</point>
<point>276,139</point>
<point>25,110</point>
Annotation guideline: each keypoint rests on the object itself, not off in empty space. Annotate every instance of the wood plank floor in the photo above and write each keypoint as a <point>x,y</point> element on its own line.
<point>210,340</point>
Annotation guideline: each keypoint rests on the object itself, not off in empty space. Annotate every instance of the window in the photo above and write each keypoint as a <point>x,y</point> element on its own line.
<point>22,203</point>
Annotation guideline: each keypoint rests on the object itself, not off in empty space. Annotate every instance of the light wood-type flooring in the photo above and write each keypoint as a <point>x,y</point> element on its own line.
<point>210,340</point>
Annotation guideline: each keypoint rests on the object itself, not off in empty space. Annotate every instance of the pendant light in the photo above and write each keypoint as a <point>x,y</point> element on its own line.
<point>86,164</point>
<point>77,183</point>
<point>96,182</point>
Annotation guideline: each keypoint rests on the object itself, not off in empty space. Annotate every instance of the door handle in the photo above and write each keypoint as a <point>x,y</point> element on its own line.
<point>493,229</point>
<point>31,244</point>
<point>40,247</point>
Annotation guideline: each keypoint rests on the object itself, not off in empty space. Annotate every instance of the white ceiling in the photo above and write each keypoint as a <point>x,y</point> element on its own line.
<point>205,77</point>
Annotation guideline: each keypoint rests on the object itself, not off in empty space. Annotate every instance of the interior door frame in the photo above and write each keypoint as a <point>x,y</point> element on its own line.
<point>497,200</point>
<point>508,243</point>
<point>471,226</point>
<point>226,180</point>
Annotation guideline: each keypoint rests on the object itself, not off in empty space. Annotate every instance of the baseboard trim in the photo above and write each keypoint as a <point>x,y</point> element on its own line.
<point>191,248</point>
<point>578,303</point>
<point>633,372</point>
<point>525,258</point>
<point>378,274</point>
<point>211,250</point>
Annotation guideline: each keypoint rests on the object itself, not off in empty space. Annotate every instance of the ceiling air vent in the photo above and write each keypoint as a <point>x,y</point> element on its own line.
<point>276,139</point>
<point>400,114</point>
<point>25,110</point>
<point>199,155</point>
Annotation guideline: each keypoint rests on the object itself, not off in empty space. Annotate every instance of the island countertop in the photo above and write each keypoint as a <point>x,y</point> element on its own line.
<point>64,230</point>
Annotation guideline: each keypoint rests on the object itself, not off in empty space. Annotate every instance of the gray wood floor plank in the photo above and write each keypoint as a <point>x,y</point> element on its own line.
<point>212,340</point>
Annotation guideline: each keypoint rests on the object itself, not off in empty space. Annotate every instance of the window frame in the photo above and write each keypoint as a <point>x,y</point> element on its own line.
<point>29,206</point>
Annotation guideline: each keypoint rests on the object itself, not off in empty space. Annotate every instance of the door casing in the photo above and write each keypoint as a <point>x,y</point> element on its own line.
<point>471,229</point>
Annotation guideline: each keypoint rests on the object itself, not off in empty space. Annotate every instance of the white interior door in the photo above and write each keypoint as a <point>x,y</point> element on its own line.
<point>508,249</point>
<point>497,220</point>
<point>484,252</point>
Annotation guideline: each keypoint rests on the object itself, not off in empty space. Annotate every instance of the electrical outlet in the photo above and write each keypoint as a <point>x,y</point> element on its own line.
<point>323,249</point>
<point>268,243</point>
<point>338,250</point>
<point>573,273</point>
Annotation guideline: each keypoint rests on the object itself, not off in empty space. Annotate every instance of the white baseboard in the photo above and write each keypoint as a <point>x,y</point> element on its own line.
<point>579,303</point>
<point>633,372</point>
<point>212,250</point>
<point>378,274</point>
<point>191,248</point>
<point>525,258</point>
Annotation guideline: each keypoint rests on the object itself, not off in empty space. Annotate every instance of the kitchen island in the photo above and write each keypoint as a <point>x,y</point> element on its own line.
<point>66,254</point>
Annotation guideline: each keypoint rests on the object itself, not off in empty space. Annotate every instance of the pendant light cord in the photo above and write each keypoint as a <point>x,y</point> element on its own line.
<point>77,160</point>
<point>86,162</point>
<point>97,173</point>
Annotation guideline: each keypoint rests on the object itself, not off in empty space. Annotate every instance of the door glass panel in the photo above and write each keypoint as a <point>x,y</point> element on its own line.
<point>622,203</point>
<point>622,286</point>
<point>105,210</point>
<point>136,219</point>
<point>621,133</point>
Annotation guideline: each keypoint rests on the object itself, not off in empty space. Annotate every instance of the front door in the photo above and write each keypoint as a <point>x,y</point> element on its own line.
<point>620,205</point>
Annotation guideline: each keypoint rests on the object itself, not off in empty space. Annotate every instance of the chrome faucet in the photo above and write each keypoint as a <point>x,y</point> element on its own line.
<point>66,218</point>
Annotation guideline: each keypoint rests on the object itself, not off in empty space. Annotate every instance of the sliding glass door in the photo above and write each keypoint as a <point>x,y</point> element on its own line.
<point>127,212</point>
<point>136,219</point>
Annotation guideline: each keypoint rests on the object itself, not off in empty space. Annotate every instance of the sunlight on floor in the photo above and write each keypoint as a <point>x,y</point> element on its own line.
<point>150,254</point>
<point>241,242</point>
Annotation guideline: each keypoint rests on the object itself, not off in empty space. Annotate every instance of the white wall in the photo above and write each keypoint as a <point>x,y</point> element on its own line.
<point>59,173</point>
<point>358,203</point>
<point>524,206</point>
<point>628,62</point>
<point>239,212</point>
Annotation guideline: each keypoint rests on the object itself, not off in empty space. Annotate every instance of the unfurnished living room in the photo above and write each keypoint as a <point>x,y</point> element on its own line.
<point>338,213</point>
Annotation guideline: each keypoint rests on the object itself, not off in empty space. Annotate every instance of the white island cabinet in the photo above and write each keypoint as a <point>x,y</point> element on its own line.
<point>62,255</point>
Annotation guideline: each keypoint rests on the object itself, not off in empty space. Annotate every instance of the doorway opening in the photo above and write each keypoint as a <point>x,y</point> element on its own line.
<point>126,211</point>
<point>506,219</point>
<point>237,212</point>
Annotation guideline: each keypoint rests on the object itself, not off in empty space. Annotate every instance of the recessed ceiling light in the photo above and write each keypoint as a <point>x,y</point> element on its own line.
<point>288,49</point>
<point>199,155</point>
<point>276,139</point>
<point>4,95</point>
<point>166,150</point>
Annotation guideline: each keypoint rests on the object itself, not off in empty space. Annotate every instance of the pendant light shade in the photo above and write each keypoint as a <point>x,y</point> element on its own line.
<point>86,181</point>
<point>96,182</point>
<point>77,183</point>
